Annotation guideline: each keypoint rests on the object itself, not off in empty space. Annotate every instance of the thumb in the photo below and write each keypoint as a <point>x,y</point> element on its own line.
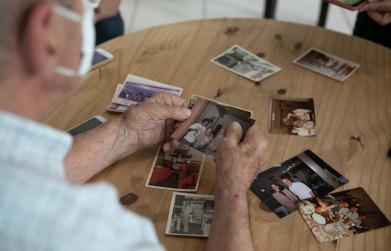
<point>174,112</point>
<point>377,6</point>
<point>234,133</point>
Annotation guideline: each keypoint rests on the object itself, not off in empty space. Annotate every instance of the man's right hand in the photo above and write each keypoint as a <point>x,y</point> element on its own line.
<point>237,162</point>
<point>236,166</point>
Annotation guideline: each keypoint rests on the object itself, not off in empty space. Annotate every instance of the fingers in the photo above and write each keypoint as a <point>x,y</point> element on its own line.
<point>172,112</point>
<point>170,147</point>
<point>234,133</point>
<point>377,6</point>
<point>167,99</point>
<point>254,141</point>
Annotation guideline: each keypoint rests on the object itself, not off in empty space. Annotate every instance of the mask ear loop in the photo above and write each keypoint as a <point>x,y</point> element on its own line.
<point>65,12</point>
<point>72,16</point>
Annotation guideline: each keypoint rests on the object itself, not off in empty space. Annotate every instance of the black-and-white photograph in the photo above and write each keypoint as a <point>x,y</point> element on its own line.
<point>208,123</point>
<point>190,215</point>
<point>304,176</point>
<point>245,63</point>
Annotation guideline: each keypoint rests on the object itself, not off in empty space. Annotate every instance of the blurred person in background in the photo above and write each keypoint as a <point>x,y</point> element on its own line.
<point>374,22</point>
<point>109,23</point>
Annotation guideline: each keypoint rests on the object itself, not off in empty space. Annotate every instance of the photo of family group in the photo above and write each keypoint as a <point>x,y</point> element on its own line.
<point>327,64</point>
<point>179,171</point>
<point>341,214</point>
<point>190,215</point>
<point>292,116</point>
<point>208,123</point>
<point>281,187</point>
<point>246,64</point>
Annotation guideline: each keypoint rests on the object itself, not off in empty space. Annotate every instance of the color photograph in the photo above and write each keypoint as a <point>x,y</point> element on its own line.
<point>179,171</point>
<point>281,187</point>
<point>292,116</point>
<point>208,123</point>
<point>341,214</point>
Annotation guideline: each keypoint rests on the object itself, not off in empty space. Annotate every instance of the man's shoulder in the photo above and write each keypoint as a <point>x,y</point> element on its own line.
<point>34,205</point>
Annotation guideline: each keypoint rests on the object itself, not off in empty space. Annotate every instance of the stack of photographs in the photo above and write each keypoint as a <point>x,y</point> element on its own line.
<point>208,123</point>
<point>281,187</point>
<point>327,64</point>
<point>246,64</point>
<point>292,116</point>
<point>341,214</point>
<point>137,89</point>
<point>190,215</point>
<point>178,171</point>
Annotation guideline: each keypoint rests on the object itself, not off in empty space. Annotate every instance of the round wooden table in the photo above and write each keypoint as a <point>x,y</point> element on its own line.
<point>180,54</point>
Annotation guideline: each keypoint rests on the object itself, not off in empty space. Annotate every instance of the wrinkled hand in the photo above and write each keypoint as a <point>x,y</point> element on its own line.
<point>379,11</point>
<point>237,163</point>
<point>152,121</point>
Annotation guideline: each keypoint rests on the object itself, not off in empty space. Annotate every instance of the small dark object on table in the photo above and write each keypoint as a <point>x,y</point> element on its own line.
<point>231,30</point>
<point>219,93</point>
<point>389,153</point>
<point>128,199</point>
<point>257,83</point>
<point>261,54</point>
<point>278,37</point>
<point>297,46</point>
<point>281,91</point>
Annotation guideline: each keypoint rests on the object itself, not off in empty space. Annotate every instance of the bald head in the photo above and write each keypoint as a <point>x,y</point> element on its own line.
<point>34,41</point>
<point>12,18</point>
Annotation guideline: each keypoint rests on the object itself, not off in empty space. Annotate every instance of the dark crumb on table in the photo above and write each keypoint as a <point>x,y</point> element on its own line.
<point>257,83</point>
<point>278,36</point>
<point>281,91</point>
<point>297,46</point>
<point>219,93</point>
<point>261,54</point>
<point>128,199</point>
<point>231,30</point>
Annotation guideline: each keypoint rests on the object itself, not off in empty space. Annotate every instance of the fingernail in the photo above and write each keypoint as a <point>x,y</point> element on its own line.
<point>235,125</point>
<point>187,111</point>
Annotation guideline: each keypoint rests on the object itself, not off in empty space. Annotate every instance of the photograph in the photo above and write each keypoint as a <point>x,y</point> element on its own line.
<point>208,123</point>
<point>190,215</point>
<point>281,187</point>
<point>178,171</point>
<point>341,214</point>
<point>137,89</point>
<point>327,64</point>
<point>114,107</point>
<point>292,116</point>
<point>245,63</point>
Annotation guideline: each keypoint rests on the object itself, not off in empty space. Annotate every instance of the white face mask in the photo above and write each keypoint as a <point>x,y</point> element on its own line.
<point>87,35</point>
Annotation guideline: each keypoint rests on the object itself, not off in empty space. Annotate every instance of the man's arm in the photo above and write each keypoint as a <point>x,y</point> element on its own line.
<point>143,125</point>
<point>236,166</point>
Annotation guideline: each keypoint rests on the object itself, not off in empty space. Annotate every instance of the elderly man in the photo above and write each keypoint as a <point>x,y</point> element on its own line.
<point>43,204</point>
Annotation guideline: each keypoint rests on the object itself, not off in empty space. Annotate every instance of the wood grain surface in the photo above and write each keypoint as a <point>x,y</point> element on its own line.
<point>179,54</point>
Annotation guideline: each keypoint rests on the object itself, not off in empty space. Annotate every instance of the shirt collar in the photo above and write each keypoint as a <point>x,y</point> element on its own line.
<point>29,144</point>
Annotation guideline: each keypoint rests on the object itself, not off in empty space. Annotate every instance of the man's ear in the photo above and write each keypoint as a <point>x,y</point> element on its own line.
<point>37,49</point>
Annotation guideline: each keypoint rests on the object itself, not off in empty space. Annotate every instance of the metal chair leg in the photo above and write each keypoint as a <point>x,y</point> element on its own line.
<point>270,8</point>
<point>324,9</point>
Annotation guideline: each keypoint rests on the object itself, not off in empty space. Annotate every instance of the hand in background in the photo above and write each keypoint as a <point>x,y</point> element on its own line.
<point>379,11</point>
<point>151,122</point>
<point>106,9</point>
